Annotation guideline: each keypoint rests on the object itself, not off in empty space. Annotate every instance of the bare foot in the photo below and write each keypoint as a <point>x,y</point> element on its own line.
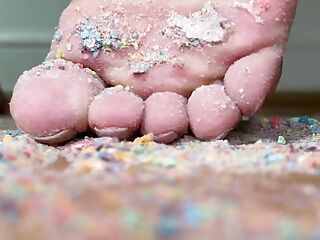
<point>199,63</point>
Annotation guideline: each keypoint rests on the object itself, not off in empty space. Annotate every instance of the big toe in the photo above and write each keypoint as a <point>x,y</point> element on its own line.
<point>50,102</point>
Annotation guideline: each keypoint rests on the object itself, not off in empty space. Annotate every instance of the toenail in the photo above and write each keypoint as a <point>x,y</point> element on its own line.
<point>59,137</point>
<point>166,138</point>
<point>117,132</point>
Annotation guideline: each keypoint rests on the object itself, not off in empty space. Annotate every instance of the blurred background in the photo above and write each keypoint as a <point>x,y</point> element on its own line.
<point>27,27</point>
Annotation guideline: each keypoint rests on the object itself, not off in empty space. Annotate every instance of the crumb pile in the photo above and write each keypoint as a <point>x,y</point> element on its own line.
<point>112,30</point>
<point>263,182</point>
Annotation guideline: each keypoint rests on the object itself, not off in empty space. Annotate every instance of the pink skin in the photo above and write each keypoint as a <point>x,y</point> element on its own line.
<point>259,72</point>
<point>58,108</point>
<point>165,116</point>
<point>248,62</point>
<point>108,116</point>
<point>212,113</point>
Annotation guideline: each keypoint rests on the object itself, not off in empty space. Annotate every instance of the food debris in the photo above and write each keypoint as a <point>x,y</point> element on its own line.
<point>57,36</point>
<point>255,7</point>
<point>92,39</point>
<point>282,140</point>
<point>100,188</point>
<point>112,30</point>
<point>204,26</point>
<point>108,31</point>
<point>59,54</point>
<point>143,62</point>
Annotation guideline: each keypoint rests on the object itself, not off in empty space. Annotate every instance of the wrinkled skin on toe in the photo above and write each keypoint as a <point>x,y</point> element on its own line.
<point>235,46</point>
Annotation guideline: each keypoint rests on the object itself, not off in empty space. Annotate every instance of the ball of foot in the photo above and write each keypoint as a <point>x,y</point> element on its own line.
<point>220,58</point>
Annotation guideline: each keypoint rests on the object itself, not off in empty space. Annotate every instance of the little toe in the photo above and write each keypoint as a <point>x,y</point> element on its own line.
<point>211,112</point>
<point>116,112</point>
<point>165,116</point>
<point>250,79</point>
<point>50,102</point>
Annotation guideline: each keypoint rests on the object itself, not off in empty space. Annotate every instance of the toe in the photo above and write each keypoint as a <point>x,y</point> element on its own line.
<point>116,112</point>
<point>249,80</point>
<point>50,102</point>
<point>211,112</point>
<point>165,116</point>
<point>59,137</point>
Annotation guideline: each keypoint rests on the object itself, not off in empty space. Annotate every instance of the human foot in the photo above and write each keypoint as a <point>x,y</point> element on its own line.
<point>224,55</point>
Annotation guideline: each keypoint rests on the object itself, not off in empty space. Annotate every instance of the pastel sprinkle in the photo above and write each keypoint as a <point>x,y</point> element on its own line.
<point>281,140</point>
<point>103,188</point>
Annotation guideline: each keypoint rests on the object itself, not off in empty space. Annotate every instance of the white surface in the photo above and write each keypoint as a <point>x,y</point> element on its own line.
<point>27,26</point>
